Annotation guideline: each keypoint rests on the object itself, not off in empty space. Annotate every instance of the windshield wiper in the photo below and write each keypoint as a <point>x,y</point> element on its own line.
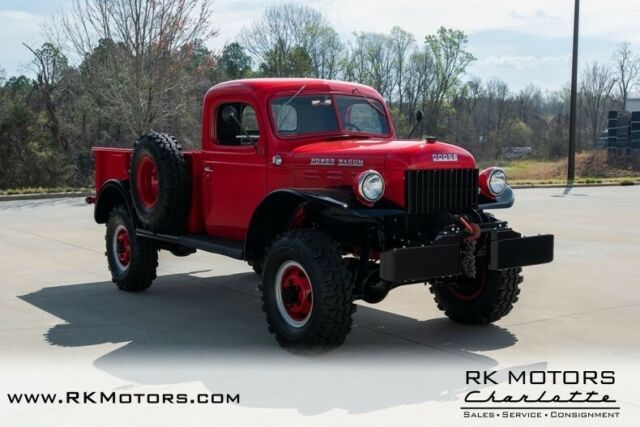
<point>286,115</point>
<point>371,102</point>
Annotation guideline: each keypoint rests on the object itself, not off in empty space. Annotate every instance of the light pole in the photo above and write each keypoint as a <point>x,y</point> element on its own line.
<point>571,169</point>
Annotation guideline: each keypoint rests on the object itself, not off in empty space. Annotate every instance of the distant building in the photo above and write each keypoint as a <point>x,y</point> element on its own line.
<point>512,153</point>
<point>633,102</point>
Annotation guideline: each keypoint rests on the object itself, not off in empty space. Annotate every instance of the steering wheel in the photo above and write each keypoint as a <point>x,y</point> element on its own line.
<point>351,126</point>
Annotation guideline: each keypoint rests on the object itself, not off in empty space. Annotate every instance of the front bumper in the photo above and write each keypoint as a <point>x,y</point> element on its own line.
<point>506,249</point>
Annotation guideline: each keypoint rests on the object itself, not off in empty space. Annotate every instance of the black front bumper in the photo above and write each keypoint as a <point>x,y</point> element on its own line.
<point>506,249</point>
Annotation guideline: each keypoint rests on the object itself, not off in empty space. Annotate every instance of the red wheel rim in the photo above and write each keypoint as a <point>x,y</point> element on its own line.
<point>294,294</point>
<point>122,246</point>
<point>147,182</point>
<point>471,288</point>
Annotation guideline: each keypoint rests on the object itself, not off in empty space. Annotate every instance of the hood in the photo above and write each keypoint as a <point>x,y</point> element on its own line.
<point>382,153</point>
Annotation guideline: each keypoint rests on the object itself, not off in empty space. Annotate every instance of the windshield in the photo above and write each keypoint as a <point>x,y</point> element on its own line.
<point>309,114</point>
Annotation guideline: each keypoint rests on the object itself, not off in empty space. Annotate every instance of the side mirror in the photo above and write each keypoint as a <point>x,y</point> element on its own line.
<point>230,114</point>
<point>419,118</point>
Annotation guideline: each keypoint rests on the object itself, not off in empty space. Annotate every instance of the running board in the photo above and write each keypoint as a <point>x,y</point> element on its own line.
<point>226,247</point>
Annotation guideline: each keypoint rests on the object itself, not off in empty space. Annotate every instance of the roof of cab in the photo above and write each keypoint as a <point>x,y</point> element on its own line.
<point>264,86</point>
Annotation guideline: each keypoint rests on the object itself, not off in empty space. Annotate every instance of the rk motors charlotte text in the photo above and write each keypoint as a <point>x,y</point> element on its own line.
<point>590,403</point>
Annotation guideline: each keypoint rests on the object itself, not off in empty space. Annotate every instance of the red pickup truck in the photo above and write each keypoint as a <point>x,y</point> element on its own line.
<point>306,180</point>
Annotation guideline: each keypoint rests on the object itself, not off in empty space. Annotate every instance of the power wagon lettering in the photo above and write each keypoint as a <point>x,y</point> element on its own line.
<point>322,162</point>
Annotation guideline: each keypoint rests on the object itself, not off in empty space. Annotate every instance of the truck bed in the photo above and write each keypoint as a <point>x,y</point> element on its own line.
<point>114,163</point>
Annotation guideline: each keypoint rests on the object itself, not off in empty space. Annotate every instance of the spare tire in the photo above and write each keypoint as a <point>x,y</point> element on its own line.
<point>160,183</point>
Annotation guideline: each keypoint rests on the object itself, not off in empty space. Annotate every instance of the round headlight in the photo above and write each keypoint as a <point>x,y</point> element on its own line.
<point>370,186</point>
<point>497,182</point>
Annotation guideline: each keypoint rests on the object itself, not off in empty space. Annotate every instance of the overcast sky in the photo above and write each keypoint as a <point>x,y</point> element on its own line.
<point>518,41</point>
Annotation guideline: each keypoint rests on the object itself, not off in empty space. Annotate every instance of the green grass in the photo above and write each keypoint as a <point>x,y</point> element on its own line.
<point>43,190</point>
<point>579,180</point>
<point>591,168</point>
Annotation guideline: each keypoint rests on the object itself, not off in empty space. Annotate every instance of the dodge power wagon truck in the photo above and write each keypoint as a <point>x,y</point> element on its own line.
<point>306,180</point>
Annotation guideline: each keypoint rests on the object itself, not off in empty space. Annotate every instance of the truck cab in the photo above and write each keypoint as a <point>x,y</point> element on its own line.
<point>307,181</point>
<point>290,129</point>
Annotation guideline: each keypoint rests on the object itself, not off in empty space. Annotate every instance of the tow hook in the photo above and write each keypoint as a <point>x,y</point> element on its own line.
<point>473,230</point>
<point>468,261</point>
<point>90,200</point>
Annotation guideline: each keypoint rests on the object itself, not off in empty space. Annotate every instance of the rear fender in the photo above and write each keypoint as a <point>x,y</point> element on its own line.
<point>112,193</point>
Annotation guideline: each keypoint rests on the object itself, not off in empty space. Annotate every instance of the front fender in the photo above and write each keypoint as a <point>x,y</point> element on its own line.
<point>335,198</point>
<point>503,201</point>
<point>340,198</point>
<point>274,214</point>
<point>343,198</point>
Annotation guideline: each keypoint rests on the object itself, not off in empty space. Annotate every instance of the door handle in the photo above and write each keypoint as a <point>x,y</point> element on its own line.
<point>208,169</point>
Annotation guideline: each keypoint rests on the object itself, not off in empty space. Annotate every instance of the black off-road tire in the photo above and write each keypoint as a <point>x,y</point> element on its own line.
<point>332,290</point>
<point>494,301</point>
<point>141,269</point>
<point>257,265</point>
<point>169,213</point>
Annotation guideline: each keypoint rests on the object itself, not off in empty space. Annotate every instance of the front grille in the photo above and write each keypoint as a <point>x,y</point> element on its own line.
<point>432,190</point>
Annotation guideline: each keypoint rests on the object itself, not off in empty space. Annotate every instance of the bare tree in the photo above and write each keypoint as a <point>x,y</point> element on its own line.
<point>596,87</point>
<point>496,107</point>
<point>528,100</point>
<point>627,70</point>
<point>135,52</point>
<point>466,122</point>
<point>371,62</point>
<point>402,44</point>
<point>50,66</point>
<point>354,65</point>
<point>379,59</point>
<point>475,92</point>
<point>420,79</point>
<point>284,35</point>
<point>325,50</point>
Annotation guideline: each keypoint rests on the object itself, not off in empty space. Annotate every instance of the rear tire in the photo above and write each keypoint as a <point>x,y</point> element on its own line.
<point>132,260</point>
<point>485,299</point>
<point>160,183</point>
<point>307,291</point>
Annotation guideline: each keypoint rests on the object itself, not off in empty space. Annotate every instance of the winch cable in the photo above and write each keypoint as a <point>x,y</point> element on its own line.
<point>472,229</point>
<point>469,250</point>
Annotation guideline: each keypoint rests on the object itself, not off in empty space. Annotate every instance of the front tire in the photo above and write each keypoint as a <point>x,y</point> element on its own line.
<point>132,260</point>
<point>307,291</point>
<point>257,265</point>
<point>485,299</point>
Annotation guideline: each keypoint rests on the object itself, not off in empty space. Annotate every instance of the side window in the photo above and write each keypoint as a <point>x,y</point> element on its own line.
<point>239,128</point>
<point>250,120</point>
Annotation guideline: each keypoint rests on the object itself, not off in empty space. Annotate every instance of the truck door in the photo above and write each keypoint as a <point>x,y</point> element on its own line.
<point>234,170</point>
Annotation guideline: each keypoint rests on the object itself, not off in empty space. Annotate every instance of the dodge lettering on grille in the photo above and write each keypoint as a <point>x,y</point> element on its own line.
<point>445,157</point>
